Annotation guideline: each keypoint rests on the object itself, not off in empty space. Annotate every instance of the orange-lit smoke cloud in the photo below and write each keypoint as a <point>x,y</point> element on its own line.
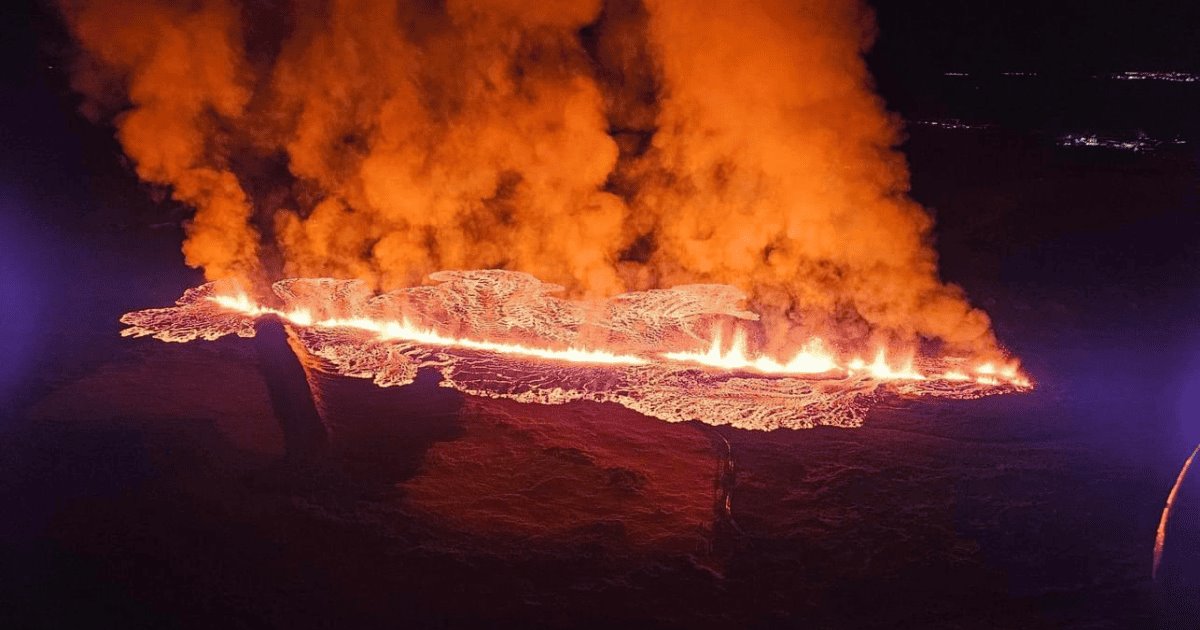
<point>604,146</point>
<point>180,70</point>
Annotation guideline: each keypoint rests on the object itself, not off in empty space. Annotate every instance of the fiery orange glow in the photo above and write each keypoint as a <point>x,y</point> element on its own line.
<point>499,334</point>
<point>813,358</point>
<point>602,146</point>
<point>404,330</point>
<point>715,186</point>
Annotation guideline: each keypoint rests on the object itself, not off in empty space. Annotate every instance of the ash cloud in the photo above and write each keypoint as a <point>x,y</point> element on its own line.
<point>603,146</point>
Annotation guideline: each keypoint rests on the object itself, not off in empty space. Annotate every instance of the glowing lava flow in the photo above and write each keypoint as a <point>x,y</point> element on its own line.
<point>1161,538</point>
<point>403,330</point>
<point>813,358</point>
<point>513,338</point>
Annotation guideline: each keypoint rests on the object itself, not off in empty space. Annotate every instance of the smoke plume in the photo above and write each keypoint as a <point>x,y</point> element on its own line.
<point>601,145</point>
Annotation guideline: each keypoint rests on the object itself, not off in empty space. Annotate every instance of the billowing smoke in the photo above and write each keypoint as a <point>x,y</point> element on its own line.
<point>603,146</point>
<point>180,74</point>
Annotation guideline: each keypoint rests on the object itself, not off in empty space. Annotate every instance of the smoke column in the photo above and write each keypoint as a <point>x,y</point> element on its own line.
<point>177,74</point>
<point>603,146</point>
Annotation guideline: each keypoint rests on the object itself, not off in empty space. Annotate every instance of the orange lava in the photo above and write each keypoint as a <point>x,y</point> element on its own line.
<point>502,334</point>
<point>812,358</point>
<point>404,330</point>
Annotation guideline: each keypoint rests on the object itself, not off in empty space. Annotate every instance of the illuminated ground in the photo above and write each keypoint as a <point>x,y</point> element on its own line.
<point>495,510</point>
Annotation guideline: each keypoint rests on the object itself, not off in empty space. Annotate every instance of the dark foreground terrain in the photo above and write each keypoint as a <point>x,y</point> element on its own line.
<point>156,489</point>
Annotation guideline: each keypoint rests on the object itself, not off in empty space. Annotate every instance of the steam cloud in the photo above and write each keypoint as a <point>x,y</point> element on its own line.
<point>603,146</point>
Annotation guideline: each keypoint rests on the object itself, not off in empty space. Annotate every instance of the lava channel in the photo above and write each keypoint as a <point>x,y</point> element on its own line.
<point>504,334</point>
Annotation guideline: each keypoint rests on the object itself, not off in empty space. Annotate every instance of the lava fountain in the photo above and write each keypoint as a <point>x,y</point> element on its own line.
<point>503,334</point>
